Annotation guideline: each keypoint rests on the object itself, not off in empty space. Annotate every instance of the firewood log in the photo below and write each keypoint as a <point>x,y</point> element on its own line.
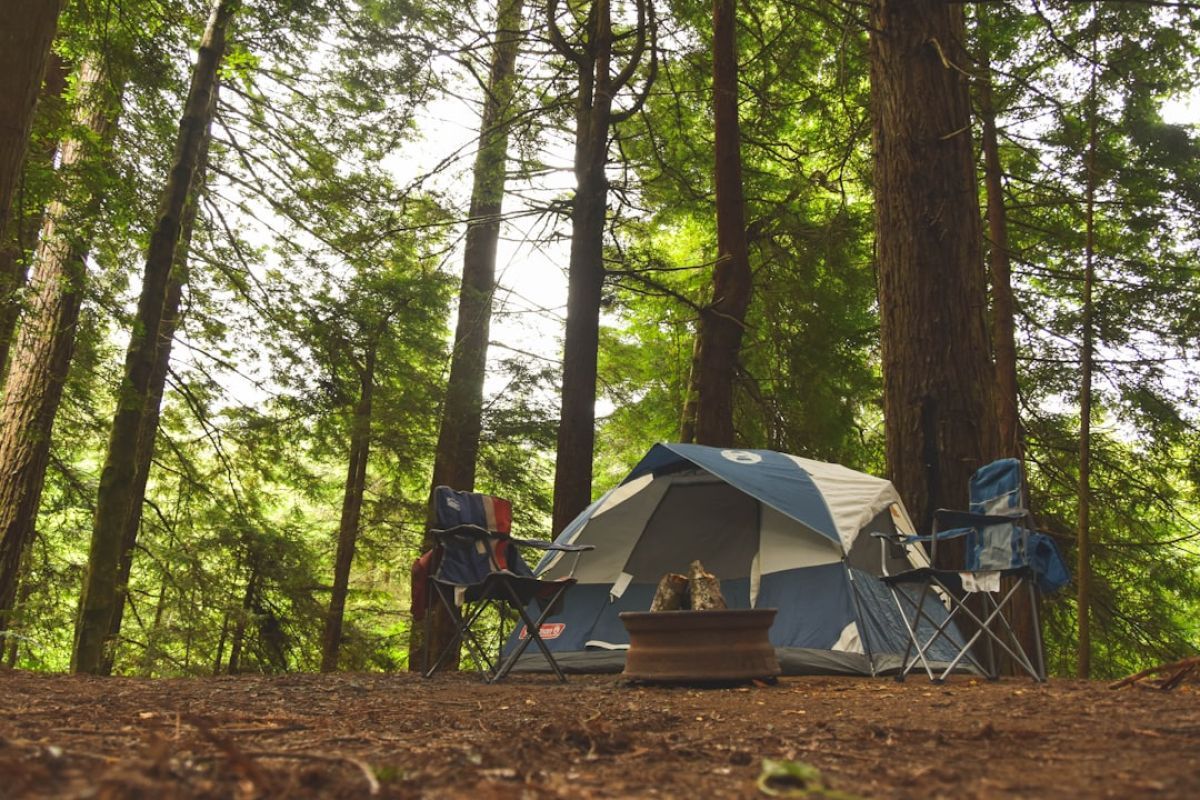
<point>704,588</point>
<point>669,596</point>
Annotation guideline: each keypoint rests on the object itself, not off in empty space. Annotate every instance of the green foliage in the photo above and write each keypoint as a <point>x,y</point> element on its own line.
<point>310,252</point>
<point>1143,487</point>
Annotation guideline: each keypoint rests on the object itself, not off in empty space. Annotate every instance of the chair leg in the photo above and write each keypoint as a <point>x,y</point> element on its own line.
<point>463,635</point>
<point>985,628</point>
<point>941,630</point>
<point>454,641</point>
<point>533,630</point>
<point>1039,647</point>
<point>905,664</point>
<point>427,625</point>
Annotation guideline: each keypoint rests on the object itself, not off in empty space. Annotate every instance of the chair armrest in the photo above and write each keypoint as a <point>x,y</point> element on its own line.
<point>542,544</point>
<point>468,531</point>
<point>945,518</point>
<point>895,537</point>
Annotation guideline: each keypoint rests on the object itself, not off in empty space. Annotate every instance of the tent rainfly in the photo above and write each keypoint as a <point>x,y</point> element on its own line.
<point>778,530</point>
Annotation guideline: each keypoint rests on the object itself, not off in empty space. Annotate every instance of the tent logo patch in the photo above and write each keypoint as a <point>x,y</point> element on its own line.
<point>550,630</point>
<point>741,456</point>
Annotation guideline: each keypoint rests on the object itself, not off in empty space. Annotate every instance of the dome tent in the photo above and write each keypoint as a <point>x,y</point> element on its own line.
<point>779,531</point>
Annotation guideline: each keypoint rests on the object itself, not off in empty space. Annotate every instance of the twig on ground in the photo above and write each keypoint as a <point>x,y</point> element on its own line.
<point>1181,669</point>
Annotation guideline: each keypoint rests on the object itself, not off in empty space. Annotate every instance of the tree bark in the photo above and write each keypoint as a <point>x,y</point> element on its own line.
<point>238,640</point>
<point>937,374</point>
<point>147,433</point>
<point>458,439</point>
<point>1083,567</point>
<point>1004,307</point>
<point>44,345</point>
<point>704,589</point>
<point>462,415</point>
<point>115,499</point>
<point>671,593</point>
<point>26,222</point>
<point>585,275</point>
<point>356,480</point>
<point>691,400</point>
<point>723,321</point>
<point>27,30</point>
<point>1003,328</point>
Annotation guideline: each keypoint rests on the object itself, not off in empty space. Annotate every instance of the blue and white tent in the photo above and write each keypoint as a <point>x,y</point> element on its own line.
<point>779,531</point>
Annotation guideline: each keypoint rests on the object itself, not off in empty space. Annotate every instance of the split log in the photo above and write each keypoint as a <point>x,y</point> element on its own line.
<point>669,596</point>
<point>704,588</point>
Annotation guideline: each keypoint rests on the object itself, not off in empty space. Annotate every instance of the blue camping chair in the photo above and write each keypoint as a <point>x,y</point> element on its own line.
<point>478,565</point>
<point>999,543</point>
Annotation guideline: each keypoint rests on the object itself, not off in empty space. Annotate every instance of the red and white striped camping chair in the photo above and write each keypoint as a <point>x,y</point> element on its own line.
<point>477,564</point>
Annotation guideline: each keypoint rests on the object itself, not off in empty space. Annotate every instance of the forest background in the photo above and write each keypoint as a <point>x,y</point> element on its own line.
<point>317,199</point>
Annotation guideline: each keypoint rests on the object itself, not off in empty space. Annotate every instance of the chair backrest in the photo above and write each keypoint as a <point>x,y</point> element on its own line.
<point>467,556</point>
<point>997,489</point>
<point>453,509</point>
<point>992,547</point>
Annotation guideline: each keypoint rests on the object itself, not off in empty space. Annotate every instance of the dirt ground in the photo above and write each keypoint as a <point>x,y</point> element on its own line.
<point>400,736</point>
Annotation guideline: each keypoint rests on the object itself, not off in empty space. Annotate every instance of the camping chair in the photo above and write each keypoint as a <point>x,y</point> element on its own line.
<point>476,564</point>
<point>998,544</point>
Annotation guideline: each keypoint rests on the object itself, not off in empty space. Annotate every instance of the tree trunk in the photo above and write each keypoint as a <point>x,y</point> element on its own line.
<point>1003,319</point>
<point>691,400</point>
<point>238,640</point>
<point>1004,305</point>
<point>147,433</point>
<point>594,115</point>
<point>27,29</point>
<point>722,321</point>
<point>115,499</point>
<point>44,345</point>
<point>462,415</point>
<point>26,222</point>
<point>458,440</point>
<point>151,652</point>
<point>17,618</point>
<point>938,407</point>
<point>585,275</point>
<point>356,480</point>
<point>1083,567</point>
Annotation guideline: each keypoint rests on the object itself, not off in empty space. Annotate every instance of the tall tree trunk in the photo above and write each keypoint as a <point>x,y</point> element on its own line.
<point>115,499</point>
<point>594,115</point>
<point>147,433</point>
<point>691,400</point>
<point>585,274</point>
<point>17,618</point>
<point>1003,323</point>
<point>458,439</point>
<point>462,415</point>
<point>1004,307</point>
<point>352,498</point>
<point>151,651</point>
<point>27,29</point>
<point>25,223</point>
<point>1083,567</point>
<point>938,407</point>
<point>238,641</point>
<point>46,340</point>
<point>722,321</point>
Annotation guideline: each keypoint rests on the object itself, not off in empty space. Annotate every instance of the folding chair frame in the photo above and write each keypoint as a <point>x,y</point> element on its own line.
<point>498,588</point>
<point>945,581</point>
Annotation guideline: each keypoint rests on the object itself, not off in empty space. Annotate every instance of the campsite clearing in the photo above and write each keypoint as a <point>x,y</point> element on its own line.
<point>399,736</point>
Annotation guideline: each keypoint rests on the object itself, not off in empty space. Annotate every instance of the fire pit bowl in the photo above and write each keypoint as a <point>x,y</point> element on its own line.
<point>700,646</point>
